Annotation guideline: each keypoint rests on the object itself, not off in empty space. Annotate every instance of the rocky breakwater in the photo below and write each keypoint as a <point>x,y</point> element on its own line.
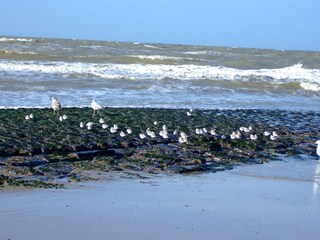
<point>39,149</point>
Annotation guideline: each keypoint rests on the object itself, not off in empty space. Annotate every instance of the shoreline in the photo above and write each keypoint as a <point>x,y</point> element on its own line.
<point>44,151</point>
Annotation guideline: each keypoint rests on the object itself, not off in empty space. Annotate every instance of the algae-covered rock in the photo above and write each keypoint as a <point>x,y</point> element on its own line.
<point>49,149</point>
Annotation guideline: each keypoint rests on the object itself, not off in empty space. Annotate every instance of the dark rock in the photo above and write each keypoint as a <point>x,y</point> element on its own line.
<point>84,155</point>
<point>26,162</point>
<point>216,147</point>
<point>64,150</point>
<point>25,152</point>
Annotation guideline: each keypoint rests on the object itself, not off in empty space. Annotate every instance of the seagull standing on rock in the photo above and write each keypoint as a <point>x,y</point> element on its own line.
<point>95,106</point>
<point>56,106</point>
<point>318,147</point>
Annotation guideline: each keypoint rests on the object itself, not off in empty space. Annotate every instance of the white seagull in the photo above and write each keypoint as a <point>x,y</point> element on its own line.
<point>56,106</point>
<point>142,135</point>
<point>90,125</point>
<point>318,147</point>
<point>95,106</point>
<point>253,137</point>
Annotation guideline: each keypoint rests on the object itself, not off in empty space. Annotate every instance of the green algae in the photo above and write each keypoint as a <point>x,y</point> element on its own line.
<point>65,149</point>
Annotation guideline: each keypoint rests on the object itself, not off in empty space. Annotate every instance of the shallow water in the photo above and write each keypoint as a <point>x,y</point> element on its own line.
<point>272,203</point>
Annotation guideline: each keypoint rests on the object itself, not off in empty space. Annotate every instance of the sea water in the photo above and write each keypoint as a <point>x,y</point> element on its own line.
<point>134,74</point>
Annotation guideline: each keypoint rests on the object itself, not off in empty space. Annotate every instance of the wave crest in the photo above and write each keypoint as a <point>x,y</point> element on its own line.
<point>309,79</point>
<point>7,39</point>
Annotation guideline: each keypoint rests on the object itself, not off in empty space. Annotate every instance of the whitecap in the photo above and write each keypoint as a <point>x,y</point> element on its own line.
<point>150,46</point>
<point>160,57</point>
<point>309,79</point>
<point>310,86</point>
<point>10,39</point>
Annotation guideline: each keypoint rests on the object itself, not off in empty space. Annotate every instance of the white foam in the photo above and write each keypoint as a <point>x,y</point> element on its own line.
<point>197,52</point>
<point>151,46</point>
<point>19,52</point>
<point>5,39</point>
<point>211,53</point>
<point>310,86</point>
<point>309,79</point>
<point>160,57</point>
<point>39,107</point>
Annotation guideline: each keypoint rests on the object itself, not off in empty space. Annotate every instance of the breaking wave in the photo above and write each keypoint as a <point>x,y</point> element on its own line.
<point>161,58</point>
<point>309,79</point>
<point>5,39</point>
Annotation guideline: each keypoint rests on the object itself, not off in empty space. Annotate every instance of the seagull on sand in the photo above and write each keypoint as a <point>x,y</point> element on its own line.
<point>56,106</point>
<point>318,147</point>
<point>95,106</point>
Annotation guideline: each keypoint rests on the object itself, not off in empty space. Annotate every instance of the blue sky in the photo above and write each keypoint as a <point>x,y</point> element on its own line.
<point>277,24</point>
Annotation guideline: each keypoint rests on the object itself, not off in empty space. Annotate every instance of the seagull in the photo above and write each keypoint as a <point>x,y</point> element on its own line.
<point>89,125</point>
<point>318,147</point>
<point>253,137</point>
<point>233,135</point>
<point>122,134</point>
<point>266,133</point>
<point>272,137</point>
<point>164,133</point>
<point>246,130</point>
<point>113,130</point>
<point>56,106</point>
<point>213,132</point>
<point>129,131</point>
<point>183,138</point>
<point>183,135</point>
<point>81,124</point>
<point>142,135</point>
<point>95,106</point>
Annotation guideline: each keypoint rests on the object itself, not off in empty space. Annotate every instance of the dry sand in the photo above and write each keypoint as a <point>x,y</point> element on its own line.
<point>278,200</point>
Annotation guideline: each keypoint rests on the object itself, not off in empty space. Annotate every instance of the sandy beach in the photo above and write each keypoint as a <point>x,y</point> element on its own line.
<point>276,200</point>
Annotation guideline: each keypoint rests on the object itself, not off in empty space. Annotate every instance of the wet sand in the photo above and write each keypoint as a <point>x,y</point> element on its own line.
<point>277,200</point>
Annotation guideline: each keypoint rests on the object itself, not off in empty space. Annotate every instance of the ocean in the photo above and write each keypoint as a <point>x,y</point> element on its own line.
<point>135,74</point>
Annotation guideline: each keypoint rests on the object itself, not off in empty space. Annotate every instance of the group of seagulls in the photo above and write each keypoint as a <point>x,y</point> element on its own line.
<point>56,106</point>
<point>29,116</point>
<point>183,138</point>
<point>124,132</point>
